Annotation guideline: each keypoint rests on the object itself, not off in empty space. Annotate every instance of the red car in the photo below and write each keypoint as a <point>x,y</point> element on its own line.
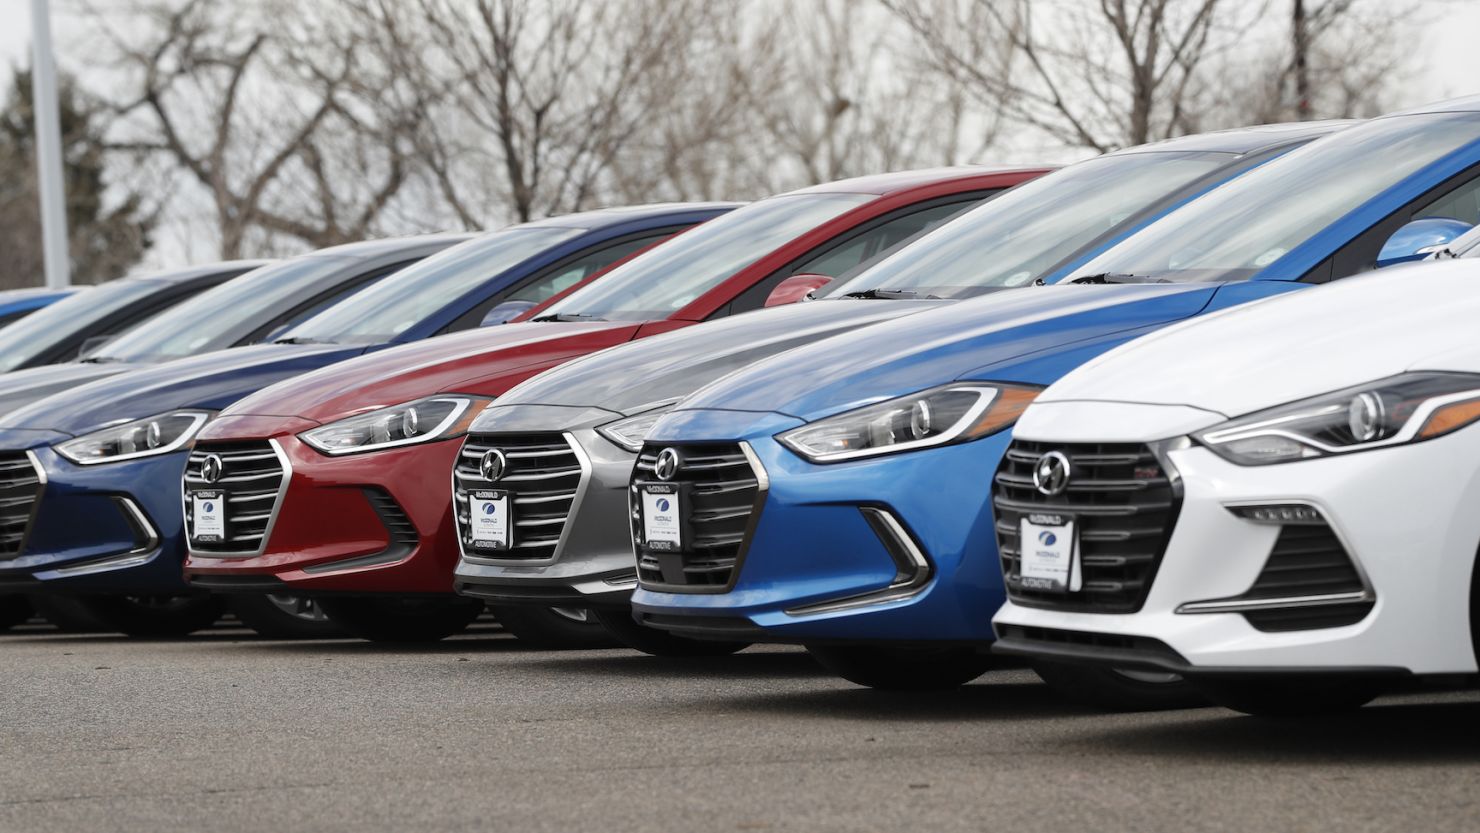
<point>363,522</point>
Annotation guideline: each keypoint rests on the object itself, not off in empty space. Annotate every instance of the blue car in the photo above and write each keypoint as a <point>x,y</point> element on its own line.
<point>83,320</point>
<point>840,496</point>
<point>16,304</point>
<point>92,475</point>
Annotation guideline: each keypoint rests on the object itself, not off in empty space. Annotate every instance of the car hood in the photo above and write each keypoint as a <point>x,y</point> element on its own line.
<point>20,388</point>
<point>1249,358</point>
<point>899,357</point>
<point>486,362</point>
<point>211,382</point>
<point>635,377</point>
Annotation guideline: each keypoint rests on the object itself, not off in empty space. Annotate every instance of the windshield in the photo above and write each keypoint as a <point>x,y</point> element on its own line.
<point>1246,225</point>
<point>655,284</point>
<point>1023,234</point>
<point>41,330</point>
<point>410,296</point>
<point>220,317</point>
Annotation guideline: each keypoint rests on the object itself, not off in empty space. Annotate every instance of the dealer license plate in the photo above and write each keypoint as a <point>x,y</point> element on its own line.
<point>208,516</point>
<point>489,523</point>
<point>1049,558</point>
<point>661,528</point>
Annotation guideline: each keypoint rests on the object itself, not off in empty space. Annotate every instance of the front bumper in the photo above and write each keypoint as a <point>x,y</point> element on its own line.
<point>829,556</point>
<point>358,524</point>
<point>592,564</point>
<point>110,528</point>
<point>1401,515</point>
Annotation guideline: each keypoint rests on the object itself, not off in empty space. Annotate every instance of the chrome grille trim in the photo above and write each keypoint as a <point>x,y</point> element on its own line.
<point>253,541</point>
<point>540,529</point>
<point>22,481</point>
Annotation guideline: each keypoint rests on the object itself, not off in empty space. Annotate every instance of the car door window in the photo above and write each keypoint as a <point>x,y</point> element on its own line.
<point>561,278</point>
<point>1463,203</point>
<point>863,248</point>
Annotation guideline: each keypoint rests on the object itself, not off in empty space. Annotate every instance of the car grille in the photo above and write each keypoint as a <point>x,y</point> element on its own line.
<point>543,476</point>
<point>251,482</point>
<point>1124,503</point>
<point>723,496</point>
<point>20,491</point>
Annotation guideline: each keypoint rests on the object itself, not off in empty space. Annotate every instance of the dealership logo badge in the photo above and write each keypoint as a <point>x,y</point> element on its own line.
<point>1047,538</point>
<point>493,464</point>
<point>667,465</point>
<point>1051,473</point>
<point>490,508</point>
<point>663,504</point>
<point>212,468</point>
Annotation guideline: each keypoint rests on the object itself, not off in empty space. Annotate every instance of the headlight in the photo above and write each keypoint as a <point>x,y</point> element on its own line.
<point>1407,408</point>
<point>953,413</point>
<point>140,438</point>
<point>631,431</point>
<point>433,418</point>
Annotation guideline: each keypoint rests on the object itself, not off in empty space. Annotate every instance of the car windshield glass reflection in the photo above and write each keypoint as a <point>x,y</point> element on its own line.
<point>1023,234</point>
<point>1264,214</point>
<point>36,333</point>
<point>411,295</point>
<point>218,318</point>
<point>656,284</point>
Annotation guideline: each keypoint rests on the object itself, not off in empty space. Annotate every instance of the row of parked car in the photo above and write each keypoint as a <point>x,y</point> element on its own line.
<point>1105,417</point>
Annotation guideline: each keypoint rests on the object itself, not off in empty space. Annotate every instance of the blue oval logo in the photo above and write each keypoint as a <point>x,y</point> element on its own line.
<point>490,508</point>
<point>208,507</point>
<point>1047,538</point>
<point>663,504</point>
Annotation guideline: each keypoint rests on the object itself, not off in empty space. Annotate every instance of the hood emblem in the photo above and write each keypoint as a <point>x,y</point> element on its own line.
<point>1051,473</point>
<point>493,465</point>
<point>667,464</point>
<point>212,467</point>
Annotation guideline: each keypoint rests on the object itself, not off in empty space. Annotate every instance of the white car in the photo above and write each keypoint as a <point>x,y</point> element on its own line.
<point>1280,502</point>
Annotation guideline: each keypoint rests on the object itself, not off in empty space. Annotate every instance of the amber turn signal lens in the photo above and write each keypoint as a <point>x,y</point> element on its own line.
<point>1451,417</point>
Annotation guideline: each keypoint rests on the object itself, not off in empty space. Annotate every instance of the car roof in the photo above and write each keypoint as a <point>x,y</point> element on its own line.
<point>598,217</point>
<point>392,245</point>
<point>1465,104</point>
<point>891,183</point>
<point>188,273</point>
<point>1243,139</point>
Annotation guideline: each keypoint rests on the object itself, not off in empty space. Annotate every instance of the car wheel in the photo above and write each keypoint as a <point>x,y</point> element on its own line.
<point>1120,690</point>
<point>14,610</point>
<point>903,668</point>
<point>154,616</point>
<point>67,613</point>
<point>658,643</point>
<point>401,620</point>
<point>1296,696</point>
<point>285,616</point>
<point>553,628</point>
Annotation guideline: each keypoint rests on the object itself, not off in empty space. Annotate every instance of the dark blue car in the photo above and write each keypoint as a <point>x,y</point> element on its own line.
<point>856,515</point>
<point>90,478</point>
<point>16,304</point>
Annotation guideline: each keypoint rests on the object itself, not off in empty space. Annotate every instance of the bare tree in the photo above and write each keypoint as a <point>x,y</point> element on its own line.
<point>271,110</point>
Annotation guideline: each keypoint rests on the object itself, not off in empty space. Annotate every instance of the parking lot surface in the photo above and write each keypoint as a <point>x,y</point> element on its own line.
<point>224,732</point>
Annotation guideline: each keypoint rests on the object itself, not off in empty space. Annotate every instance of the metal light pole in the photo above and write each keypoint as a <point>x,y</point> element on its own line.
<point>49,149</point>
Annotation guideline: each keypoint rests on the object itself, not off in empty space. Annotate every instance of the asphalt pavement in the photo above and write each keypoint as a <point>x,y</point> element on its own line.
<point>224,732</point>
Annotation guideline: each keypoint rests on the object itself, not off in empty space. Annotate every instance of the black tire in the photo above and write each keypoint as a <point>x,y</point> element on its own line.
<point>392,619</point>
<point>1120,691</point>
<point>903,668</point>
<point>285,616</point>
<point>68,614</point>
<point>619,623</point>
<point>1291,697</point>
<point>154,616</point>
<point>14,610</point>
<point>552,629</point>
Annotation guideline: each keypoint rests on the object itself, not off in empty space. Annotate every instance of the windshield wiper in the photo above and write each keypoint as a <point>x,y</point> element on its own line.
<point>889,295</point>
<point>300,340</point>
<point>99,360</point>
<point>1118,277</point>
<point>568,316</point>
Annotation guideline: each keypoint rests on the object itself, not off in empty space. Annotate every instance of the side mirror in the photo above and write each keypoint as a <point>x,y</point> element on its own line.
<point>1420,238</point>
<point>502,313</point>
<point>796,288</point>
<point>91,344</point>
